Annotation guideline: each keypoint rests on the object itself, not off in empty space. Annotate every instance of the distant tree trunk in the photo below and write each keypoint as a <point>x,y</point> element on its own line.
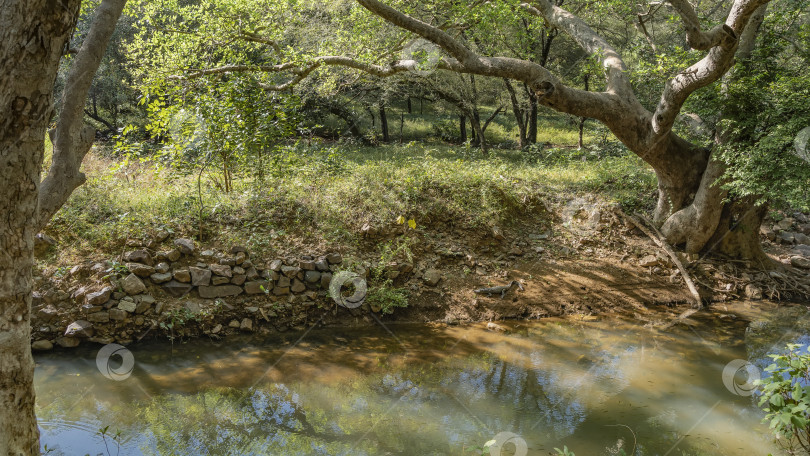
<point>33,34</point>
<point>401,124</point>
<point>531,133</point>
<point>478,131</point>
<point>520,117</point>
<point>462,119</point>
<point>409,106</point>
<point>384,124</point>
<point>582,119</point>
<point>371,114</point>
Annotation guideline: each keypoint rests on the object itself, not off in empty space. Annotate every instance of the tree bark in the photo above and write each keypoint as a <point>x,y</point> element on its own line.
<point>517,111</point>
<point>462,121</point>
<point>72,138</point>
<point>33,34</point>
<point>384,124</point>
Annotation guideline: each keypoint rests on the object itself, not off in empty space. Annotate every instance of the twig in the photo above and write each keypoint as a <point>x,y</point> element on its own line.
<point>658,238</point>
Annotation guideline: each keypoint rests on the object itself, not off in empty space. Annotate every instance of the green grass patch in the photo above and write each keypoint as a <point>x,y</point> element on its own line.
<point>327,192</point>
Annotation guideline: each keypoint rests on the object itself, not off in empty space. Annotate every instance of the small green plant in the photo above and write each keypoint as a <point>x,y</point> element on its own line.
<point>564,452</point>
<point>382,294</point>
<point>786,398</point>
<point>104,433</point>
<point>177,318</point>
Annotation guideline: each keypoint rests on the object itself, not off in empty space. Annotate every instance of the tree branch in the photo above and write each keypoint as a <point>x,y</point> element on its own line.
<point>721,35</point>
<point>71,138</point>
<point>709,69</point>
<point>587,39</point>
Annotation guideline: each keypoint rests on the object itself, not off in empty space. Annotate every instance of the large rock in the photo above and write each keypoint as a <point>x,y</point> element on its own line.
<point>275,265</point>
<point>79,328</point>
<point>326,279</point>
<point>99,317</point>
<point>802,249</point>
<point>200,277</point>
<point>162,268</point>
<point>42,345</point>
<point>132,285</point>
<point>219,292</point>
<point>128,306</point>
<point>283,282</point>
<point>246,325</point>
<point>221,270</point>
<point>238,279</point>
<point>47,313</point>
<point>256,287</point>
<point>217,280</point>
<point>800,262</point>
<point>290,271</point>
<point>98,298</point>
<point>281,291</point>
<point>176,289</point>
<point>138,256</point>
<point>140,270</point>
<point>182,275</point>
<point>334,258</point>
<point>312,276</point>
<point>68,342</point>
<point>118,314</point>
<point>432,277</point>
<point>298,286</point>
<point>161,277</point>
<point>185,246</point>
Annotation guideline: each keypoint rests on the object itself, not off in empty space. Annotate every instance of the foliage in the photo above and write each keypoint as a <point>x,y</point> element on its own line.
<point>382,294</point>
<point>785,397</point>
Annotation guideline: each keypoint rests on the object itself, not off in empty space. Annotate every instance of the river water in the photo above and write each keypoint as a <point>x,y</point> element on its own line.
<point>597,387</point>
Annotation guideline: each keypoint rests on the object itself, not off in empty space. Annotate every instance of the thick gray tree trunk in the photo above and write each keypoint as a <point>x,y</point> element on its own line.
<point>33,34</point>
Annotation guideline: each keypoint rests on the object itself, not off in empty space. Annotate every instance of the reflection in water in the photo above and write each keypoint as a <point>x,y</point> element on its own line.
<point>594,387</point>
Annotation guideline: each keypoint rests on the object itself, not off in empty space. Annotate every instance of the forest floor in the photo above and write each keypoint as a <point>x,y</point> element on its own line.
<point>552,220</point>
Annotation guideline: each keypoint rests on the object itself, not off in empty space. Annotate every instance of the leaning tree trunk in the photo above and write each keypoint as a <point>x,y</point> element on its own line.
<point>33,34</point>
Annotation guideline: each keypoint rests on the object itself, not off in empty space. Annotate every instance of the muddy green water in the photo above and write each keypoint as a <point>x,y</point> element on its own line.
<point>594,387</point>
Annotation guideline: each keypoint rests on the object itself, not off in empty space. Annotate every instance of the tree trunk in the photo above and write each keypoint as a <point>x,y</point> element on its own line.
<point>409,106</point>
<point>531,130</point>
<point>462,119</point>
<point>479,139</point>
<point>33,34</point>
<point>581,143</point>
<point>520,118</point>
<point>384,124</point>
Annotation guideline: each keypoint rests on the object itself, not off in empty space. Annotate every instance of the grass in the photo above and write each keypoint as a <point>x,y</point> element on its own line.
<point>327,192</point>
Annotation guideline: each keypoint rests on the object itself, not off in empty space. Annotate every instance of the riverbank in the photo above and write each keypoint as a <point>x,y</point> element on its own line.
<point>131,258</point>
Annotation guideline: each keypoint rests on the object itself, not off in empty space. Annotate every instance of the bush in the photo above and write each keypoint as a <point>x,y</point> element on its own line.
<point>786,399</point>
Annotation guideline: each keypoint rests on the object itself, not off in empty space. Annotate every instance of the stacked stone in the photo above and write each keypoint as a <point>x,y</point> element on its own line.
<point>182,271</point>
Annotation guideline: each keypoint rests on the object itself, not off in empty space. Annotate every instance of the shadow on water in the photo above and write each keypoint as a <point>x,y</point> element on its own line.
<point>595,387</point>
